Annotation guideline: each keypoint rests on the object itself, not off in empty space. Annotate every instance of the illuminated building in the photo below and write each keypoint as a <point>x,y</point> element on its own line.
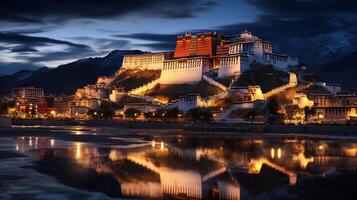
<point>30,101</point>
<point>184,70</point>
<point>149,61</point>
<point>201,44</point>
<point>339,108</point>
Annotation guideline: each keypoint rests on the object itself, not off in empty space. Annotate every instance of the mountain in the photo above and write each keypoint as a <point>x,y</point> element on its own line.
<point>319,49</point>
<point>342,71</point>
<point>68,77</point>
<point>11,68</point>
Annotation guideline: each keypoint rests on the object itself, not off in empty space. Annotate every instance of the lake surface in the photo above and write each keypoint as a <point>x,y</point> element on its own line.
<point>140,165</point>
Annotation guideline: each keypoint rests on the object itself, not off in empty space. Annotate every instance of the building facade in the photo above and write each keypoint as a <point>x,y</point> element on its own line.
<point>184,70</point>
<point>149,61</point>
<point>201,44</point>
<point>232,65</point>
<point>331,109</point>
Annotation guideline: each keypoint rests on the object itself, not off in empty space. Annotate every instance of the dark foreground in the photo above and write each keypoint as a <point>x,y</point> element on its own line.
<point>112,163</point>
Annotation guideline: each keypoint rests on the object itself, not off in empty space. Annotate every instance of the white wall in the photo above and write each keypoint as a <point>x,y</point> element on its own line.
<point>183,71</point>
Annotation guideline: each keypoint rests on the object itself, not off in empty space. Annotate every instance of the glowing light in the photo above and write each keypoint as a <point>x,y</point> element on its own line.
<point>321,147</point>
<point>162,146</point>
<point>272,153</point>
<point>17,147</point>
<point>52,142</point>
<point>153,143</point>
<point>78,151</point>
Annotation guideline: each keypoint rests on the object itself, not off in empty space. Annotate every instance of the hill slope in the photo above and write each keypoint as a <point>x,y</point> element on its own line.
<point>266,76</point>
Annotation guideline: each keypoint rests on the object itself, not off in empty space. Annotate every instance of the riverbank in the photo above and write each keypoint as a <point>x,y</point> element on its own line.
<point>213,128</point>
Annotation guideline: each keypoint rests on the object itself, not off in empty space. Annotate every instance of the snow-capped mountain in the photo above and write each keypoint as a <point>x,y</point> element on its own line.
<point>319,49</point>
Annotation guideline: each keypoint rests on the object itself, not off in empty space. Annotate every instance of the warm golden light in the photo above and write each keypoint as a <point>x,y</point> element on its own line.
<point>162,146</point>
<point>78,151</point>
<point>153,143</point>
<point>272,153</point>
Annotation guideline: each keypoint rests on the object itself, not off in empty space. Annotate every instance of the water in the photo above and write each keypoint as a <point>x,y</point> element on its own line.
<point>146,166</point>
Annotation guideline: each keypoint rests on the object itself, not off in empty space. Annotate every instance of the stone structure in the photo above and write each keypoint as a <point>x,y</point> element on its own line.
<point>151,61</point>
<point>184,70</point>
<point>232,65</point>
<point>201,44</point>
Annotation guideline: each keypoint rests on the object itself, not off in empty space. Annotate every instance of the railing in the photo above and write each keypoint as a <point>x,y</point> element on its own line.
<point>213,82</point>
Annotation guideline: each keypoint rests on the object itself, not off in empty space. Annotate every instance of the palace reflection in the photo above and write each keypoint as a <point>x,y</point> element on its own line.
<point>206,168</point>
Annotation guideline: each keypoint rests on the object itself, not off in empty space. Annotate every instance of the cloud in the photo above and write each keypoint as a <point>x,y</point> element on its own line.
<point>14,38</point>
<point>299,18</point>
<point>51,11</point>
<point>152,41</point>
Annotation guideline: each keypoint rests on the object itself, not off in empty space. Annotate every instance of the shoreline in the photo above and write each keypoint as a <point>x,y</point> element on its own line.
<point>188,128</point>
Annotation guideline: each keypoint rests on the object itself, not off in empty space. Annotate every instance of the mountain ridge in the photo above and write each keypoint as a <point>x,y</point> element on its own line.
<point>66,78</point>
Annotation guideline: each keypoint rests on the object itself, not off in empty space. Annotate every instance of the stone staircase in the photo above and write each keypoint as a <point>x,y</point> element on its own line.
<point>292,83</point>
<point>142,89</point>
<point>213,82</point>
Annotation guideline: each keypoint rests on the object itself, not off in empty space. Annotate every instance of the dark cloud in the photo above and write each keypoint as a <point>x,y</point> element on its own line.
<point>14,38</point>
<point>299,18</point>
<point>39,11</point>
<point>23,48</point>
<point>155,41</point>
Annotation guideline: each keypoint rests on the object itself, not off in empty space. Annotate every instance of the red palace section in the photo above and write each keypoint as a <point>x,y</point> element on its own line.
<point>198,45</point>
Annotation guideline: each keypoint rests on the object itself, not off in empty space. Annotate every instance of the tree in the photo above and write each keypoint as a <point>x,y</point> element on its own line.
<point>291,111</point>
<point>252,114</point>
<point>273,105</point>
<point>149,115</point>
<point>132,113</point>
<point>200,114</point>
<point>106,110</point>
<point>308,111</point>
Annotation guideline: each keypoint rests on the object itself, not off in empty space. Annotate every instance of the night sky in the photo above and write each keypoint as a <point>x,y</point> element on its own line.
<point>35,33</point>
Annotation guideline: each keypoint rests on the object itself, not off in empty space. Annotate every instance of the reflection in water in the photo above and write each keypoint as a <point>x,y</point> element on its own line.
<point>200,168</point>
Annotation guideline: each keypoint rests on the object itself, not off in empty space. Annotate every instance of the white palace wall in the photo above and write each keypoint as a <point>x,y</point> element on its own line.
<point>151,61</point>
<point>232,65</point>
<point>184,71</point>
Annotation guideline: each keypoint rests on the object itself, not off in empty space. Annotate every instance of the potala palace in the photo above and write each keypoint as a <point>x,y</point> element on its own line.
<point>198,54</point>
<point>232,77</point>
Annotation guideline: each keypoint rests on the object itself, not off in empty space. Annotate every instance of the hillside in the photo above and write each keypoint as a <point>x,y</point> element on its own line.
<point>264,75</point>
<point>203,88</point>
<point>66,78</point>
<point>342,70</point>
<point>130,79</point>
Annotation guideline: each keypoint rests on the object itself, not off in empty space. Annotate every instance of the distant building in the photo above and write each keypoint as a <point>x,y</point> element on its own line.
<point>30,101</point>
<point>339,108</point>
<point>143,107</point>
<point>93,91</point>
<point>186,102</point>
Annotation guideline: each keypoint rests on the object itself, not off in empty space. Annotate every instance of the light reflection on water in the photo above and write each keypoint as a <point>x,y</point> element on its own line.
<point>203,168</point>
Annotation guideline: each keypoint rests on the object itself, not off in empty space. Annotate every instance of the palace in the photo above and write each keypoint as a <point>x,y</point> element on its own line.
<point>198,54</point>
